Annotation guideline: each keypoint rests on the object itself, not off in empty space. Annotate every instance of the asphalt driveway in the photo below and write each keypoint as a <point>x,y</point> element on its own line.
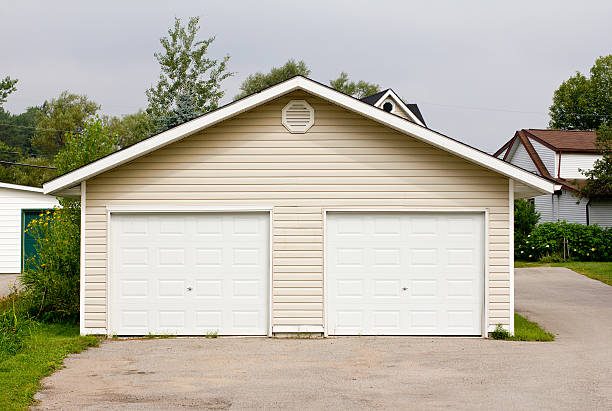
<point>574,372</point>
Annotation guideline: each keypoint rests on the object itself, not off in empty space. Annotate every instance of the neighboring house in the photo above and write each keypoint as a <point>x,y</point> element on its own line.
<point>18,206</point>
<point>298,209</point>
<point>559,155</point>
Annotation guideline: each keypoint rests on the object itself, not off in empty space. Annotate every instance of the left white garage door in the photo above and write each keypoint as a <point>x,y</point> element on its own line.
<point>189,273</point>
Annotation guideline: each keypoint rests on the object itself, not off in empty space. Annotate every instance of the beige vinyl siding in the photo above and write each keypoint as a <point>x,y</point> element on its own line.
<point>396,109</point>
<point>343,161</point>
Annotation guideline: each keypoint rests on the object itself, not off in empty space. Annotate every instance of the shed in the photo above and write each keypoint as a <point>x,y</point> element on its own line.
<point>298,209</point>
<point>18,205</point>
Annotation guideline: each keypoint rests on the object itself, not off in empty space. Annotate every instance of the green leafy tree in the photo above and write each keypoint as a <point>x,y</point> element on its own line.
<point>186,70</point>
<point>584,103</point>
<point>65,114</point>
<point>356,89</point>
<point>94,142</point>
<point>17,130</point>
<point>525,220</point>
<point>259,81</point>
<point>598,184</point>
<point>7,86</point>
<point>131,128</point>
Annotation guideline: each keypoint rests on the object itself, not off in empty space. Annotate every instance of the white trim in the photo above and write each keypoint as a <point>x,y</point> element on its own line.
<point>109,284</point>
<point>21,187</point>
<point>483,211</point>
<point>95,331</point>
<point>127,209</point>
<point>485,302</point>
<point>185,209</point>
<point>298,329</point>
<point>271,272</point>
<point>82,270</point>
<point>398,101</point>
<point>511,250</point>
<point>395,122</point>
<point>325,285</point>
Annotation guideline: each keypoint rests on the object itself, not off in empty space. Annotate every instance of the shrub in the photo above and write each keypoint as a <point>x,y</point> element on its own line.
<point>561,241</point>
<point>51,278</point>
<point>500,333</point>
<point>525,219</point>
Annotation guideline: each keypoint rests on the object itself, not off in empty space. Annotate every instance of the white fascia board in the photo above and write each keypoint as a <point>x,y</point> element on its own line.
<point>399,102</point>
<point>20,187</point>
<point>390,120</point>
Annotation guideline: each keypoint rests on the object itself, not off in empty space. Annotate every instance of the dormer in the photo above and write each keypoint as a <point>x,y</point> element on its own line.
<point>390,102</point>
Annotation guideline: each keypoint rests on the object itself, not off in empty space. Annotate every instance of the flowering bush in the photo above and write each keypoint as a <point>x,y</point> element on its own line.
<point>564,240</point>
<point>51,278</point>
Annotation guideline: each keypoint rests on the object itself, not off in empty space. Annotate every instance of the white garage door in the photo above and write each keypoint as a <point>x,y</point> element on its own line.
<point>405,274</point>
<point>190,273</point>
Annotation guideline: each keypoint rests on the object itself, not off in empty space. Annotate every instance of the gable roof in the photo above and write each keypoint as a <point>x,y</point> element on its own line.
<point>565,140</point>
<point>397,123</point>
<point>579,141</point>
<point>412,110</point>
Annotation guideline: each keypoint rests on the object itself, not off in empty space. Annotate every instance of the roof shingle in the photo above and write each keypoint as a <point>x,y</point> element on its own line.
<point>565,140</point>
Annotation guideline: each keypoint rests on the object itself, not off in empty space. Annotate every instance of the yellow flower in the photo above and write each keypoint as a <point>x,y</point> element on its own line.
<point>592,249</point>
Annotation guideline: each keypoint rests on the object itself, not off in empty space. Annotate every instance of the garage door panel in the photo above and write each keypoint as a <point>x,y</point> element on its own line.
<point>402,273</point>
<point>190,273</point>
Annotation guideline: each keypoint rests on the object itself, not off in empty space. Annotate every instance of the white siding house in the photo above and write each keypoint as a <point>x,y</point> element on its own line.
<point>559,155</point>
<point>14,201</point>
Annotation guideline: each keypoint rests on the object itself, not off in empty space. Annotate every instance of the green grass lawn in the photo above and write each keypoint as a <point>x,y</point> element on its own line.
<point>595,270</point>
<point>524,330</point>
<point>44,351</point>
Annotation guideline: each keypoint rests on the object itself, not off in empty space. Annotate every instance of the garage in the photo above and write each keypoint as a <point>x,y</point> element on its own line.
<point>190,273</point>
<point>298,211</point>
<point>398,273</point>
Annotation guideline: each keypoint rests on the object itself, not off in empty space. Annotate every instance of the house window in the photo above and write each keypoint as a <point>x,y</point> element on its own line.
<point>388,106</point>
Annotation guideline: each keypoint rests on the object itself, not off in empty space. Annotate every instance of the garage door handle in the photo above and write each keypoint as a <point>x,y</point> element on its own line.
<point>188,288</point>
<point>405,288</point>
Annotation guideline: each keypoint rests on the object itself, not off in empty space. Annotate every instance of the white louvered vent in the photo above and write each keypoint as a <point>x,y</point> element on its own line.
<point>298,116</point>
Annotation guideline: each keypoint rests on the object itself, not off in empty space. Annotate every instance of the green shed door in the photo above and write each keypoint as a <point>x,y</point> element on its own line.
<point>28,242</point>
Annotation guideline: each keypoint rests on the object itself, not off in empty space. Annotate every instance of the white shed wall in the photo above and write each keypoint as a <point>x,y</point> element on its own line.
<point>12,201</point>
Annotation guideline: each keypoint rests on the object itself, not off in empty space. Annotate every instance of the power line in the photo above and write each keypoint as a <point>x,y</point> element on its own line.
<point>25,165</point>
<point>34,127</point>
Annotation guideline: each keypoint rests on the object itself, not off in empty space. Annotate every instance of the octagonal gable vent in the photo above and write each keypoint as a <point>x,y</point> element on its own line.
<point>298,116</point>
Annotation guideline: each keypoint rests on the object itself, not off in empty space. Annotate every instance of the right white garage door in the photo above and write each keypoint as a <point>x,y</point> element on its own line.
<point>405,273</point>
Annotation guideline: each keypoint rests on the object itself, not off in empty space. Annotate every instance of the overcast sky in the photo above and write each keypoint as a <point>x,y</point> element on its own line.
<point>479,70</point>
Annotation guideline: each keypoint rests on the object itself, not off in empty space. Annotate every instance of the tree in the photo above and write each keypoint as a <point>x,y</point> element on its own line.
<point>183,112</point>
<point>186,71</point>
<point>66,114</point>
<point>583,103</point>
<point>259,81</point>
<point>7,86</point>
<point>131,128</point>
<point>17,130</point>
<point>359,89</point>
<point>598,184</point>
<point>96,141</point>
